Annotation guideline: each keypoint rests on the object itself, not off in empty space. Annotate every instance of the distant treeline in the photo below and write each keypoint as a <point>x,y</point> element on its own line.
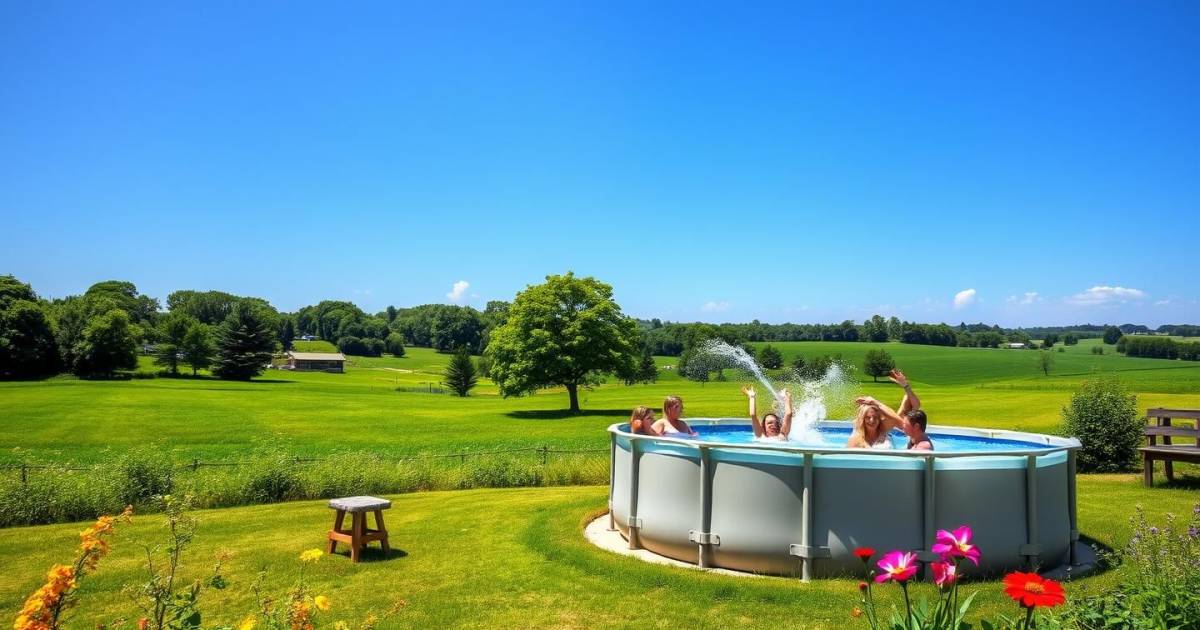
<point>1159,348</point>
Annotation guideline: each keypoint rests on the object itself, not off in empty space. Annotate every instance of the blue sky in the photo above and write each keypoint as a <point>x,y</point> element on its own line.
<point>1039,163</point>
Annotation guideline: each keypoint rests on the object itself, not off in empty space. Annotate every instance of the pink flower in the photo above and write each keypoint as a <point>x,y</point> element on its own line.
<point>897,565</point>
<point>956,543</point>
<point>944,573</point>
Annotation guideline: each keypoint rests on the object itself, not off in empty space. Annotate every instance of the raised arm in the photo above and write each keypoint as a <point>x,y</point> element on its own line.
<point>891,419</point>
<point>910,401</point>
<point>786,429</point>
<point>752,396</point>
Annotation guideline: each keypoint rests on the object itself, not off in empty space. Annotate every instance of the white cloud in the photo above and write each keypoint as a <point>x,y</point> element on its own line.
<point>458,291</point>
<point>1029,298</point>
<point>1162,302</point>
<point>715,307</point>
<point>964,298</point>
<point>1105,295</point>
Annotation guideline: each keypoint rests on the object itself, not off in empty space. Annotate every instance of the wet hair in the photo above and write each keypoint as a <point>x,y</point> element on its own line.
<point>671,401</point>
<point>639,415</point>
<point>770,415</point>
<point>917,417</point>
<point>859,433</point>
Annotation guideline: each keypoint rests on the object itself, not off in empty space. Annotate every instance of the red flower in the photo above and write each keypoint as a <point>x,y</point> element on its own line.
<point>864,553</point>
<point>1032,590</point>
<point>862,586</point>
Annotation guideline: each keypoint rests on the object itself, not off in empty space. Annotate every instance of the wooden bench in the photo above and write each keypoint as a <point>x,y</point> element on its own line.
<point>1159,426</point>
<point>359,534</point>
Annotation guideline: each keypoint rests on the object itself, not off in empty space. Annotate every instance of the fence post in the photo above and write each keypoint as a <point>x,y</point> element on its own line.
<point>543,450</point>
<point>24,473</point>
<point>195,465</point>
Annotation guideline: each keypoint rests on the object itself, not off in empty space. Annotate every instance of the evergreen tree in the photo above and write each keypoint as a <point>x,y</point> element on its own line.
<point>287,333</point>
<point>770,358</point>
<point>647,371</point>
<point>109,343</point>
<point>460,373</point>
<point>197,347</point>
<point>245,343</point>
<point>878,363</point>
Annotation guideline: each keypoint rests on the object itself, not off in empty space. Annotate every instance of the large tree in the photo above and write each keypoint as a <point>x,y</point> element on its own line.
<point>245,343</point>
<point>566,332</point>
<point>109,344</point>
<point>172,330</point>
<point>878,363</point>
<point>197,348</point>
<point>27,345</point>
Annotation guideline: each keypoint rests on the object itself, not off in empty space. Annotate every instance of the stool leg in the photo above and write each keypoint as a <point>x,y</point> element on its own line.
<point>1170,469</point>
<point>356,544</point>
<point>337,527</point>
<point>383,542</point>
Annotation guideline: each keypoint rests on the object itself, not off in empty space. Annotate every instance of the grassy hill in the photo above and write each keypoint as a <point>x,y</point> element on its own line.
<point>384,405</point>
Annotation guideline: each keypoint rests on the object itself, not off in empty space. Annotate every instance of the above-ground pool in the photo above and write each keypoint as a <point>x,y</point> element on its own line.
<point>724,500</point>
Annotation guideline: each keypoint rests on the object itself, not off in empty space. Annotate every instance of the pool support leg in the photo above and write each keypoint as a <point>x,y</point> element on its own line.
<point>612,478</point>
<point>703,538</point>
<point>1072,514</point>
<point>634,522</point>
<point>1030,549</point>
<point>929,513</point>
<point>806,505</point>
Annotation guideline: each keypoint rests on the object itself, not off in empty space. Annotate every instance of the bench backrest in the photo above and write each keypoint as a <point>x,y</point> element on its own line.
<point>1161,425</point>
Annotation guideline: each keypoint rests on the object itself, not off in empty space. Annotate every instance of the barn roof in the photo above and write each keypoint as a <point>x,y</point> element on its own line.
<point>317,356</point>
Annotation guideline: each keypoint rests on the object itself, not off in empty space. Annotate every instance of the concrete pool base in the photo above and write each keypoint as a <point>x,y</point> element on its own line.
<point>598,533</point>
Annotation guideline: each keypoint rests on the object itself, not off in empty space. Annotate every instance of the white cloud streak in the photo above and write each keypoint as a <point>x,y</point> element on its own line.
<point>715,307</point>
<point>1100,294</point>
<point>964,298</point>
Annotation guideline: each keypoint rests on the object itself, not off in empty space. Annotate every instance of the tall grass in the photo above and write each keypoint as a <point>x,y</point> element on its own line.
<point>59,494</point>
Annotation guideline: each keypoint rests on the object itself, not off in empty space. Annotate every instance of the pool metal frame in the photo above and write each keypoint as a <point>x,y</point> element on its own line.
<point>707,540</point>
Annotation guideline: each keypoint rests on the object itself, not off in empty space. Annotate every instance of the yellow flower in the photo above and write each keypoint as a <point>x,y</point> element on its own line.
<point>248,623</point>
<point>856,613</point>
<point>341,625</point>
<point>312,555</point>
<point>322,602</point>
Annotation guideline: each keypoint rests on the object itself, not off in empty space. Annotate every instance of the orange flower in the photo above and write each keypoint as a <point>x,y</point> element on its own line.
<point>856,613</point>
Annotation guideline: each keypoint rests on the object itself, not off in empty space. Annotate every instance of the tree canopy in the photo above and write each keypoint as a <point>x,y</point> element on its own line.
<point>245,343</point>
<point>565,332</point>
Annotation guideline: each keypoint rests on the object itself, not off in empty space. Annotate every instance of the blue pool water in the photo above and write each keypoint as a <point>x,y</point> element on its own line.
<point>837,436</point>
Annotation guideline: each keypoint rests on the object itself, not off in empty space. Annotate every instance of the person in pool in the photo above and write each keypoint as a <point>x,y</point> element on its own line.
<point>911,419</point>
<point>771,428</point>
<point>642,420</point>
<point>672,424</point>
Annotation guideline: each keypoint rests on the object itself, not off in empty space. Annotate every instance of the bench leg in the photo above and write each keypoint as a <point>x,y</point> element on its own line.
<point>337,527</point>
<point>358,522</point>
<point>383,542</point>
<point>1149,472</point>
<point>1170,468</point>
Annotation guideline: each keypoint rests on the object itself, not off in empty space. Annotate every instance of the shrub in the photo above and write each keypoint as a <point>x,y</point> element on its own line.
<point>271,476</point>
<point>1097,349</point>
<point>1103,416</point>
<point>143,474</point>
<point>770,358</point>
<point>394,345</point>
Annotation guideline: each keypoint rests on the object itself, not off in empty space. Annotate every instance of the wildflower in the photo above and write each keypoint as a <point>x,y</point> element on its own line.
<point>1153,531</point>
<point>856,613</point>
<point>321,602</point>
<point>341,625</point>
<point>944,573</point>
<point>864,553</point>
<point>1032,590</point>
<point>143,623</point>
<point>956,543</point>
<point>897,565</point>
<point>312,555</point>
<point>248,623</point>
<point>862,586</point>
<point>1192,532</point>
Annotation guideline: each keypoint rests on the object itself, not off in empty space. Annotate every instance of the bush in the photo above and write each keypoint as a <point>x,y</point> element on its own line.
<point>770,358</point>
<point>1097,349</point>
<point>271,476</point>
<point>394,345</point>
<point>143,474</point>
<point>355,346</point>
<point>1103,416</point>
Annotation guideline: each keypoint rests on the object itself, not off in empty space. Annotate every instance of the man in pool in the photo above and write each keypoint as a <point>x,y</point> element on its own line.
<point>910,419</point>
<point>771,428</point>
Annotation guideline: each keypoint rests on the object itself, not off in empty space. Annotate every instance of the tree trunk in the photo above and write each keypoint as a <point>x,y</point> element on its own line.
<point>573,391</point>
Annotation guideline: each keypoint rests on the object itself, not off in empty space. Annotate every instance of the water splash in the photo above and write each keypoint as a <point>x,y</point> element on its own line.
<point>813,399</point>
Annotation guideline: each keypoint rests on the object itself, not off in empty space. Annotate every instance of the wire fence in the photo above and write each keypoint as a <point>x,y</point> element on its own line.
<point>543,452</point>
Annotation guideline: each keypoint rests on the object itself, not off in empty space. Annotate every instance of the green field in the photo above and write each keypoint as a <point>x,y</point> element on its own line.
<point>65,419</point>
<point>522,562</point>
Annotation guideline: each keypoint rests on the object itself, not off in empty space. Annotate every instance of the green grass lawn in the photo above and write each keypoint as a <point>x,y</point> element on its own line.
<point>496,558</point>
<point>315,413</point>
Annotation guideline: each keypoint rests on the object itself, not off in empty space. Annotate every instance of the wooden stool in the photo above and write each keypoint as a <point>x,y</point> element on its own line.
<point>358,535</point>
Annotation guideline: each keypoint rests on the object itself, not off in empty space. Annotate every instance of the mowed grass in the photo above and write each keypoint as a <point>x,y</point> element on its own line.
<point>521,562</point>
<point>65,419</point>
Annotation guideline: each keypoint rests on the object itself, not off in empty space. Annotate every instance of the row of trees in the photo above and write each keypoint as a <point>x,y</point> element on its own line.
<point>1158,348</point>
<point>100,332</point>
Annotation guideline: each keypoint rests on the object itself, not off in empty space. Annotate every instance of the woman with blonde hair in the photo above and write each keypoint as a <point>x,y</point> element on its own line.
<point>642,420</point>
<point>871,425</point>
<point>672,424</point>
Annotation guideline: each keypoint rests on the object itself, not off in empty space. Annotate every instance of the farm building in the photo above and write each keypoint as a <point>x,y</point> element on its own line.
<point>317,361</point>
<point>1016,346</point>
